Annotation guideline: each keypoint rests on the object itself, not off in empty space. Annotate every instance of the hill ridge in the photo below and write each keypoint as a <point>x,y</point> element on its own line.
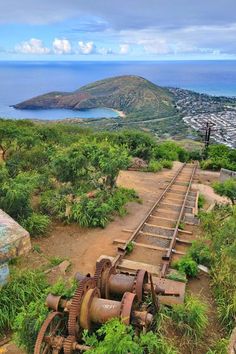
<point>127,93</point>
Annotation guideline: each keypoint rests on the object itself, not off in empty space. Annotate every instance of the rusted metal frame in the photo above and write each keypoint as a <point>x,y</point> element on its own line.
<point>167,257</point>
<point>135,233</point>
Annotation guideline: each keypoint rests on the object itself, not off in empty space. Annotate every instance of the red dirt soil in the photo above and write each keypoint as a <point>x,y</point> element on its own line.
<point>84,246</point>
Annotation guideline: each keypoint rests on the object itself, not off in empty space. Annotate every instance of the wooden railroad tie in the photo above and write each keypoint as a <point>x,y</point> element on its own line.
<point>144,245</point>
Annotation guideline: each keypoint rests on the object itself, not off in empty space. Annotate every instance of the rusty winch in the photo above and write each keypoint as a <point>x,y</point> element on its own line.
<point>62,330</point>
<point>113,285</point>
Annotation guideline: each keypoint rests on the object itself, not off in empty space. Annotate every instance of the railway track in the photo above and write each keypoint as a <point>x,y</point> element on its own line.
<point>162,235</point>
<point>119,284</point>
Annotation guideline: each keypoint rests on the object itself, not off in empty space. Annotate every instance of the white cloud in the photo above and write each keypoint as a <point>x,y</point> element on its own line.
<point>155,46</point>
<point>105,51</point>
<point>86,47</point>
<point>124,48</point>
<point>61,46</point>
<point>32,46</point>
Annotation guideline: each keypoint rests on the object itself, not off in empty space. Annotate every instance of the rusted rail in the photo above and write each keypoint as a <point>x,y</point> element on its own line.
<point>122,249</point>
<point>168,256</point>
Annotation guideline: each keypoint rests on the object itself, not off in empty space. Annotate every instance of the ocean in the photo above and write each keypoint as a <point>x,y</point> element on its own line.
<point>22,80</point>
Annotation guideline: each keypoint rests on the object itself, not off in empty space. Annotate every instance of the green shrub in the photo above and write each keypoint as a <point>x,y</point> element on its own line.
<point>167,163</point>
<point>214,164</point>
<point>126,341</point>
<point>36,224</point>
<point>191,317</point>
<point>23,288</point>
<point>178,276</point>
<point>99,210</point>
<point>28,323</point>
<point>219,156</point>
<point>187,266</point>
<point>138,144</point>
<point>201,201</point>
<point>15,200</point>
<point>55,261</point>
<point>91,212</point>
<point>15,195</point>
<point>181,225</point>
<point>226,189</point>
<point>129,247</point>
<point>167,150</point>
<point>53,203</point>
<point>154,166</point>
<point>200,253</point>
<point>195,155</point>
<point>63,288</point>
<point>3,173</point>
<point>120,197</point>
<point>89,161</point>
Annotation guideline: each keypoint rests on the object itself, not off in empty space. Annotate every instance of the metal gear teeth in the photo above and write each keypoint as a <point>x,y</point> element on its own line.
<point>100,267</point>
<point>68,344</point>
<point>76,302</point>
<point>135,282</point>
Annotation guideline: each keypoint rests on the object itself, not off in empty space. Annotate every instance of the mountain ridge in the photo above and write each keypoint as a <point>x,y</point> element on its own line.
<point>127,93</point>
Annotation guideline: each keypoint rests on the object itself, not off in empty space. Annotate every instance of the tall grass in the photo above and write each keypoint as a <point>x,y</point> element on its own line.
<point>220,228</point>
<point>23,288</point>
<point>190,318</point>
<point>220,347</point>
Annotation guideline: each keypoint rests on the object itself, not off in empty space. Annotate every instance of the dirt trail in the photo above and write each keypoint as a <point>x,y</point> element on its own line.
<point>84,246</point>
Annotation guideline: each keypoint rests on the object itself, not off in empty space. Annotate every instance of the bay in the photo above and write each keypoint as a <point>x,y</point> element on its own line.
<point>20,81</point>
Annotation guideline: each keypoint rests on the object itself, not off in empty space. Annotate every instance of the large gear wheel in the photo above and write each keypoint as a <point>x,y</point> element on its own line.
<point>101,267</point>
<point>74,312</point>
<point>141,278</point>
<point>128,303</point>
<point>48,330</point>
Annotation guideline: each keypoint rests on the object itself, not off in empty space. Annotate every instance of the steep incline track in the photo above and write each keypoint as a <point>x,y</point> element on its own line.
<point>159,234</point>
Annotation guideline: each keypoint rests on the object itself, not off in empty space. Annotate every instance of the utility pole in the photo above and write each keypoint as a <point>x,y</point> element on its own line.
<point>208,130</point>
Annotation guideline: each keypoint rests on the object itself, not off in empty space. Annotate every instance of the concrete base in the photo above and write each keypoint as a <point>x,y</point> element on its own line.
<point>4,274</point>
<point>14,242</point>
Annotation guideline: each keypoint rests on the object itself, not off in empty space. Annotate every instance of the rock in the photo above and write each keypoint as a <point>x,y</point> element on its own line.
<point>138,164</point>
<point>203,268</point>
<point>59,269</point>
<point>64,266</point>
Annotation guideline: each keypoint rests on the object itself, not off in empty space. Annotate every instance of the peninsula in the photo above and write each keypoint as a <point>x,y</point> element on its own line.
<point>167,112</point>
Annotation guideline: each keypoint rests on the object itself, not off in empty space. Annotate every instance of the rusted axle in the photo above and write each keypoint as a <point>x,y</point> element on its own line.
<point>113,284</point>
<point>94,310</point>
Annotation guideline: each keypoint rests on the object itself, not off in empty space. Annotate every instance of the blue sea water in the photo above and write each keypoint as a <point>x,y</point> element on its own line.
<point>22,80</point>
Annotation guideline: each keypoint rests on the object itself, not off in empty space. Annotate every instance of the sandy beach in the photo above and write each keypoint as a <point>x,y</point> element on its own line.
<point>121,113</point>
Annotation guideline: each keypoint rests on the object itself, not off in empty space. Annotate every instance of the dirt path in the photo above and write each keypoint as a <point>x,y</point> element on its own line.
<point>84,246</point>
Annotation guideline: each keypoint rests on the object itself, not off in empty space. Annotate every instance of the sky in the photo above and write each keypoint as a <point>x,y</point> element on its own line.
<point>117,30</point>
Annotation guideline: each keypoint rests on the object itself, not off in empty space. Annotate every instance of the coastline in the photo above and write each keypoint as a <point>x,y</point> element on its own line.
<point>121,114</point>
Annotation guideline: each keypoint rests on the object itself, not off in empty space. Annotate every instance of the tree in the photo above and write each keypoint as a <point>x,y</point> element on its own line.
<point>15,195</point>
<point>15,136</point>
<point>97,164</point>
<point>227,189</point>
